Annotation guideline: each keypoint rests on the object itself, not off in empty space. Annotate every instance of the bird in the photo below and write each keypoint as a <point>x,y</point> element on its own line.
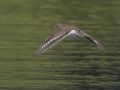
<point>62,31</point>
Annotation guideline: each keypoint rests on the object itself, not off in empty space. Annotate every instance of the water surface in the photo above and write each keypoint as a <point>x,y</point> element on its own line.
<point>72,64</point>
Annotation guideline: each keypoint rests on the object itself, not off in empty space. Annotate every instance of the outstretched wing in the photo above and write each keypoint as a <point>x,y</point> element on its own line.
<point>80,33</point>
<point>51,40</point>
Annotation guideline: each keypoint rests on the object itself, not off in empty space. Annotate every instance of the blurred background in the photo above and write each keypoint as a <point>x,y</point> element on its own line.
<point>72,64</point>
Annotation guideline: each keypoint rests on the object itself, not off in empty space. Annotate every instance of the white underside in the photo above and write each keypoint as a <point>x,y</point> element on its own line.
<point>73,33</point>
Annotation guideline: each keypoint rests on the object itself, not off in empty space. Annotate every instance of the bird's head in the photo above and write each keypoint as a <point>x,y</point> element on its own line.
<point>58,26</point>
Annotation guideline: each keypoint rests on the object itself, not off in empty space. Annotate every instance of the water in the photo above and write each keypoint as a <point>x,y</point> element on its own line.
<point>72,64</point>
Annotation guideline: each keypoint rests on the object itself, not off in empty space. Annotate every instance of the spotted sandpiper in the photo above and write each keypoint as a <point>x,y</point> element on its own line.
<point>64,30</point>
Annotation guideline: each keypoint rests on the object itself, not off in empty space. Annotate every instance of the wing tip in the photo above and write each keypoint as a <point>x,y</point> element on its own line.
<point>99,45</point>
<point>102,47</point>
<point>36,54</point>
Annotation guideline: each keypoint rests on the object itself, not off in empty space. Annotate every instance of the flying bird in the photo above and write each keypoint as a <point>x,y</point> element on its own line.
<point>62,31</point>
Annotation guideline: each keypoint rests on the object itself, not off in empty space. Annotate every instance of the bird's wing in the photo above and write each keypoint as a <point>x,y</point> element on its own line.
<point>80,33</point>
<point>51,40</point>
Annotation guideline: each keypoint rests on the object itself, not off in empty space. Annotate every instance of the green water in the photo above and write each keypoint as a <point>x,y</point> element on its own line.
<point>72,64</point>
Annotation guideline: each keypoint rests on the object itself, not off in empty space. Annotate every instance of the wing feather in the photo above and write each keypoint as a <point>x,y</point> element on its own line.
<point>80,33</point>
<point>50,41</point>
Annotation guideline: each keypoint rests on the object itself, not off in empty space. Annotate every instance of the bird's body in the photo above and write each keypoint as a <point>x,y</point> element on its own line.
<point>64,30</point>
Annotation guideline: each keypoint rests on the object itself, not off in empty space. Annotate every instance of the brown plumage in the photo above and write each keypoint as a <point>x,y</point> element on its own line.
<point>64,30</point>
